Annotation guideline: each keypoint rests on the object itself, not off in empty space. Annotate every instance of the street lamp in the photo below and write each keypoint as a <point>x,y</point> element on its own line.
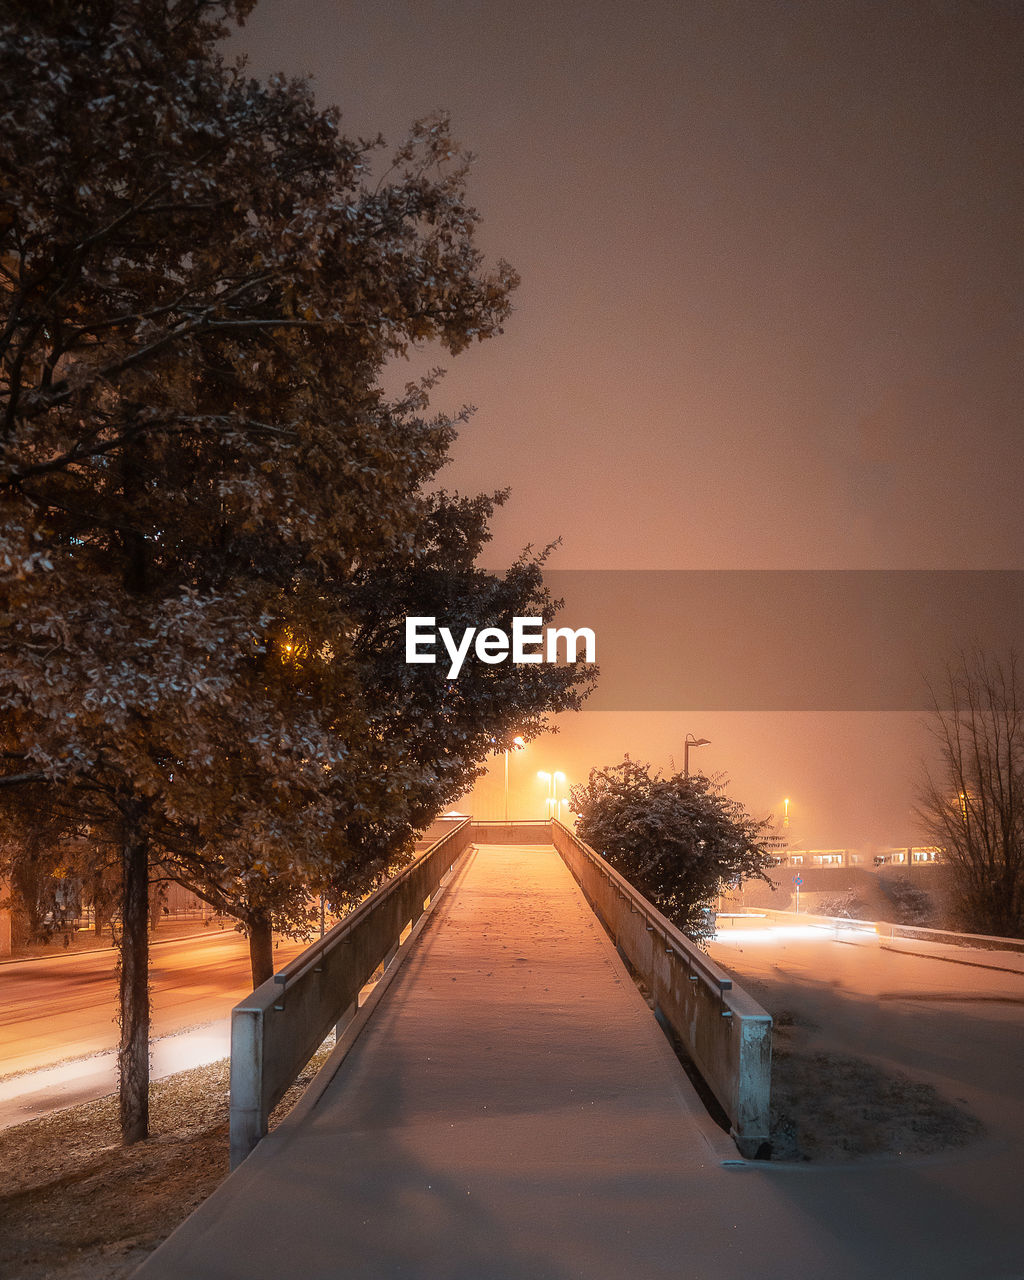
<point>785,812</point>
<point>689,742</point>
<point>517,745</point>
<point>551,804</point>
<point>556,804</point>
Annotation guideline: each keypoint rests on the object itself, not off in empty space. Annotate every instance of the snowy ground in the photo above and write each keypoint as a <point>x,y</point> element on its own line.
<point>918,1041</point>
<point>75,1205</point>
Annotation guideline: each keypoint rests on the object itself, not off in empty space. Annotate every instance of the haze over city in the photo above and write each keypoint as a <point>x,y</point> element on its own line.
<point>558,816</point>
<point>769,316</point>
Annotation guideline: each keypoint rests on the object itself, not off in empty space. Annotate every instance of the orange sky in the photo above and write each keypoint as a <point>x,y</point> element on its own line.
<point>770,314</point>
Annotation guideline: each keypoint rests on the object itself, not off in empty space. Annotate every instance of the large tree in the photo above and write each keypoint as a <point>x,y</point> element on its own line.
<point>438,733</point>
<point>971,803</point>
<point>202,281</point>
<point>677,839</point>
<point>421,741</point>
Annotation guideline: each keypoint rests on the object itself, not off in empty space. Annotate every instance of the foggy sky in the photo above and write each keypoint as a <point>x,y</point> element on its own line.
<point>771,306</point>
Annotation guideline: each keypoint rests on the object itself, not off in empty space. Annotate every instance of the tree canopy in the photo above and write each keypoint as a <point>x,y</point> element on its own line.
<point>210,510</point>
<point>677,839</point>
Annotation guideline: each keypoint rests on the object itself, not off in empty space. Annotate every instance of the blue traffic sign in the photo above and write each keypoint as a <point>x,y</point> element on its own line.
<point>798,881</point>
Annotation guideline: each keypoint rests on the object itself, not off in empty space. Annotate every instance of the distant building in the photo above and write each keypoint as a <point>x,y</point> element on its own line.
<point>820,858</point>
<point>918,855</point>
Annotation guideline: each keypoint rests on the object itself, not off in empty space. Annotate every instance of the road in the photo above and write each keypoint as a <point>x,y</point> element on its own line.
<point>857,959</point>
<point>66,1006</point>
<point>950,1017</point>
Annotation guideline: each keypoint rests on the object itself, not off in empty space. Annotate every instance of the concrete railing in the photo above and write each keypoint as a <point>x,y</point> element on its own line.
<point>726,1032</point>
<point>277,1029</point>
<point>518,831</point>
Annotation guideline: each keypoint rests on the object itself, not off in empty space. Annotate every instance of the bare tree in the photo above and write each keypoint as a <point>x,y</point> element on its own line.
<point>972,803</point>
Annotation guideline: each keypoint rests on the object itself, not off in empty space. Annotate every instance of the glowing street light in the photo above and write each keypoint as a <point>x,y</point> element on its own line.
<point>691,741</point>
<point>517,745</point>
<point>292,648</point>
<point>552,805</point>
<point>785,812</point>
<point>550,782</point>
<point>556,803</point>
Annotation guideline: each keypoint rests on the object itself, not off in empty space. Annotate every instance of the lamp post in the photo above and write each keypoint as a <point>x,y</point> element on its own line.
<point>689,742</point>
<point>517,745</point>
<point>551,803</point>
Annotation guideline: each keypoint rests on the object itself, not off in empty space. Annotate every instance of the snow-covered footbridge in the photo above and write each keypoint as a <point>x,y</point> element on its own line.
<point>502,1101</point>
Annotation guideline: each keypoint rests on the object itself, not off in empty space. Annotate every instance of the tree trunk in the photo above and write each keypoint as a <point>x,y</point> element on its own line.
<point>133,1055</point>
<point>261,949</point>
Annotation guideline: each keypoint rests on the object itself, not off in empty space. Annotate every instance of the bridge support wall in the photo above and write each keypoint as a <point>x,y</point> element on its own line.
<point>726,1033</point>
<point>524,831</point>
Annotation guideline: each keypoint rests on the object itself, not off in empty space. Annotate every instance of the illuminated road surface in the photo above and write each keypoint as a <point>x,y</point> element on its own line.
<point>66,1006</point>
<point>816,966</point>
<point>867,963</point>
<point>32,1094</point>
